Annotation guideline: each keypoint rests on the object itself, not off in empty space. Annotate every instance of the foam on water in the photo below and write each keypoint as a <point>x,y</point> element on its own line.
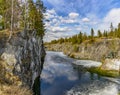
<point>87,63</point>
<point>95,88</point>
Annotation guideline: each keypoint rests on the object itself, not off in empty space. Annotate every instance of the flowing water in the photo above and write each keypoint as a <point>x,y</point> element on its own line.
<point>60,77</point>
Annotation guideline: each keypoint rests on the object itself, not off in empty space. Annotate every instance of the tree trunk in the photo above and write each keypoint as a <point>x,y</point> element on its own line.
<point>11,31</point>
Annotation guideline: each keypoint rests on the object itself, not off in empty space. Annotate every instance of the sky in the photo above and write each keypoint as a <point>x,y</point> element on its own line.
<point>68,17</point>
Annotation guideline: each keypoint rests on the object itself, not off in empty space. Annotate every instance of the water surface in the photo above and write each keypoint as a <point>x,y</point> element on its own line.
<point>60,77</point>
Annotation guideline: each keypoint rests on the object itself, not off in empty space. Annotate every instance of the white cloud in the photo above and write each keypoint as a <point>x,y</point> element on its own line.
<point>78,28</point>
<point>69,21</point>
<point>73,15</point>
<point>60,26</point>
<point>113,16</point>
<point>55,69</point>
<point>52,11</point>
<point>59,29</point>
<point>50,14</point>
<point>86,19</point>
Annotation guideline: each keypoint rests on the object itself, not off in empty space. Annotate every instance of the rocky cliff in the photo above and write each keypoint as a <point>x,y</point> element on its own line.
<point>104,50</point>
<point>23,56</point>
<point>98,50</point>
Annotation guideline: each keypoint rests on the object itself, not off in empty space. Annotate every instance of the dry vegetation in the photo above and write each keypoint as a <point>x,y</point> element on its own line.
<point>9,83</point>
<point>14,90</point>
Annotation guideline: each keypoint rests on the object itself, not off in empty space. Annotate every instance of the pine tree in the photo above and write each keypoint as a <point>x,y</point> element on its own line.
<point>85,36</point>
<point>118,31</point>
<point>92,33</point>
<point>35,16</point>
<point>111,27</point>
<point>80,38</point>
<point>39,25</point>
<point>99,33</point>
<point>111,34</point>
<point>105,34</point>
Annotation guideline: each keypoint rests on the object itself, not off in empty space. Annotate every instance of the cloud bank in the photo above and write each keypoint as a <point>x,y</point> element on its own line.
<point>69,18</point>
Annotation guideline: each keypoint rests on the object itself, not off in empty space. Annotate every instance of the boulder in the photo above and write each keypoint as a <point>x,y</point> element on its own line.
<point>111,64</point>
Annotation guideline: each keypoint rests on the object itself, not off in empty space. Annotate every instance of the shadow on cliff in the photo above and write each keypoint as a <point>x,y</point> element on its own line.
<point>24,56</point>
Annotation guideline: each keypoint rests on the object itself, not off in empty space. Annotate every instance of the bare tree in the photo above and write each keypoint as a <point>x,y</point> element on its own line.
<point>25,15</point>
<point>11,29</point>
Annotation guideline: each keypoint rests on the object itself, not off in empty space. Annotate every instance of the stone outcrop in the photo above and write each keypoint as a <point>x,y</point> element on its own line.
<point>24,56</point>
<point>111,64</point>
<point>103,50</point>
<point>98,50</point>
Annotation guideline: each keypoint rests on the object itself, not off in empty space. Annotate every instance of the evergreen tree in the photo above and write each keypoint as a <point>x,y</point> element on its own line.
<point>5,12</point>
<point>80,38</point>
<point>105,34</point>
<point>35,17</point>
<point>39,25</point>
<point>111,27</point>
<point>92,33</point>
<point>118,25</point>
<point>31,15</point>
<point>85,36</point>
<point>99,33</point>
<point>118,31</point>
<point>111,34</point>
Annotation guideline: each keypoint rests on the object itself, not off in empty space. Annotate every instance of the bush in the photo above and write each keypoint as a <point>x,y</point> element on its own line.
<point>76,48</point>
<point>14,90</point>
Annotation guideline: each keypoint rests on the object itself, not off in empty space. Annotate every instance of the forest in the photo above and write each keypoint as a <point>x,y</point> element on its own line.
<point>17,15</point>
<point>81,37</point>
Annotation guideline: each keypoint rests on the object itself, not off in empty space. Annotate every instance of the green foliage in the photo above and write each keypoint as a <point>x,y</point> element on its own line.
<point>61,40</point>
<point>27,15</point>
<point>99,34</point>
<point>108,73</point>
<point>35,16</point>
<point>76,48</point>
<point>92,33</point>
<point>79,38</point>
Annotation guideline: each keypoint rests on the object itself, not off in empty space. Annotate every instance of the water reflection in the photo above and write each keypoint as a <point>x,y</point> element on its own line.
<point>56,76</point>
<point>36,86</point>
<point>59,76</point>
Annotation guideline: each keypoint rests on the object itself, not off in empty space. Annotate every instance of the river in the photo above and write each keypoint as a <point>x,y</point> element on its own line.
<point>60,77</point>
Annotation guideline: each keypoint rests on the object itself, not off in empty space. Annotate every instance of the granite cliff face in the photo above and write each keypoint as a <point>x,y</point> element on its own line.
<point>99,50</point>
<point>23,56</point>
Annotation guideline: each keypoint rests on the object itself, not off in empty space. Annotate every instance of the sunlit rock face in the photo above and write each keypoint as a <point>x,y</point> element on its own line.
<point>25,53</point>
<point>111,64</point>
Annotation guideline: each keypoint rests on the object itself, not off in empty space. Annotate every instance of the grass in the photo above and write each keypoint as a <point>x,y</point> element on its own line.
<point>99,71</point>
<point>108,73</point>
<point>14,90</point>
<point>9,83</point>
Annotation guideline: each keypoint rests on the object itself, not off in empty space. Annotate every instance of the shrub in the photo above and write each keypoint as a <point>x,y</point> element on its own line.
<point>76,48</point>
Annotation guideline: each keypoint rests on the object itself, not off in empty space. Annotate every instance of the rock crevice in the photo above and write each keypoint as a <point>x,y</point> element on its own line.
<point>25,54</point>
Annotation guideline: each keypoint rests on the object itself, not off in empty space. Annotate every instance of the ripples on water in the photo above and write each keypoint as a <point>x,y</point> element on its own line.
<point>60,78</point>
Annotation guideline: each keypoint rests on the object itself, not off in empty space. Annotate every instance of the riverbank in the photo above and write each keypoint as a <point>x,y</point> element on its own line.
<point>106,51</point>
<point>98,50</point>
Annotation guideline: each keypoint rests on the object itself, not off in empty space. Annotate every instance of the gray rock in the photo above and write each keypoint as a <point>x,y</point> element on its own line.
<point>25,53</point>
<point>111,64</point>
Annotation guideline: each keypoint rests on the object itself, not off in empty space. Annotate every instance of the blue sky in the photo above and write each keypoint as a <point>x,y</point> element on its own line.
<point>69,17</point>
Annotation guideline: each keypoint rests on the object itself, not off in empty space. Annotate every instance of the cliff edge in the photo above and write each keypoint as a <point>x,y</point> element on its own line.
<point>22,58</point>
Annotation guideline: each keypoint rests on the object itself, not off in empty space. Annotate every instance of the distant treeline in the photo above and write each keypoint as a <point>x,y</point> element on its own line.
<point>81,37</point>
